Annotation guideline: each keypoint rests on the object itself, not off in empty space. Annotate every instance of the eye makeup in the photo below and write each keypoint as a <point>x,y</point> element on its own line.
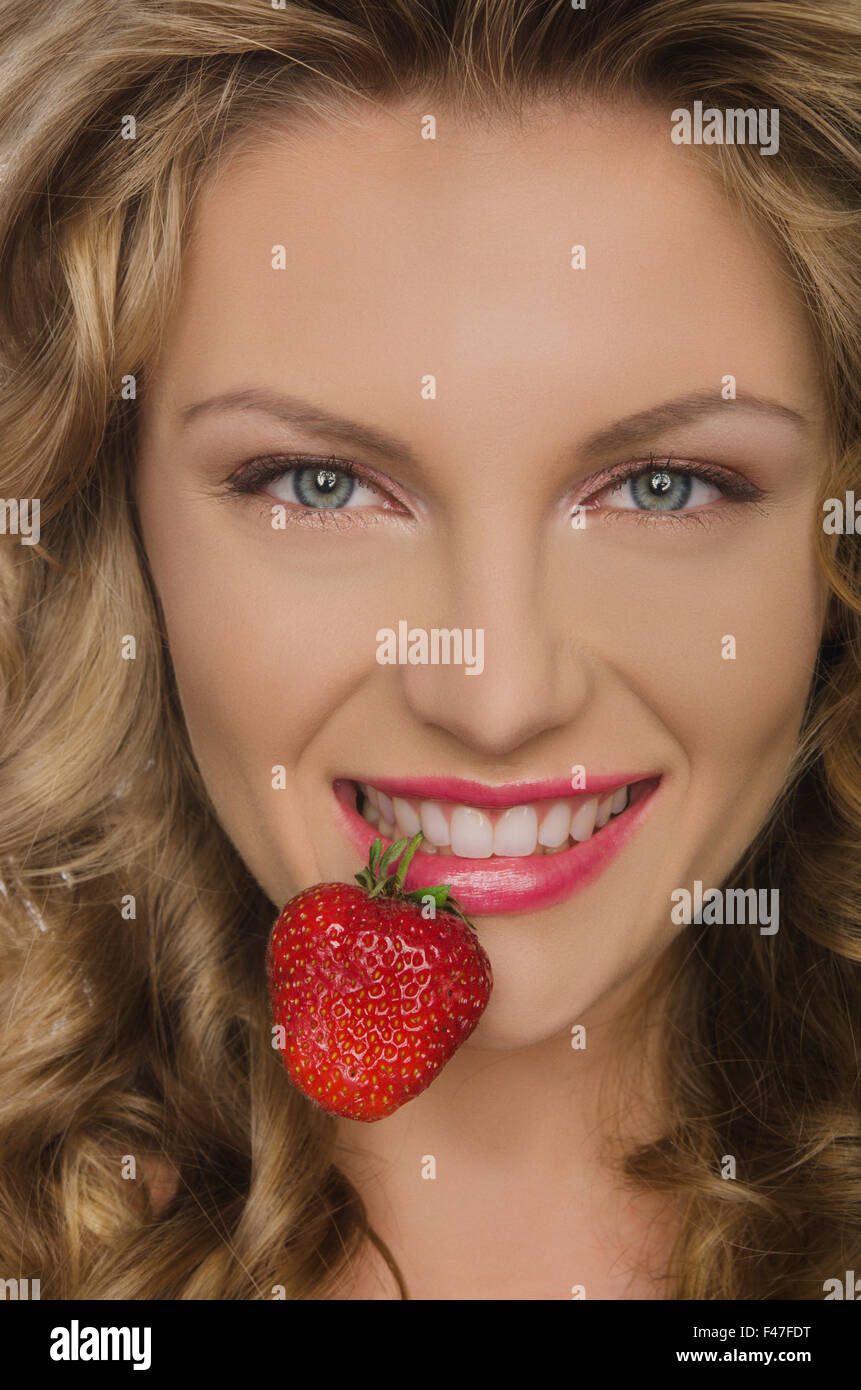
<point>730,483</point>
<point>251,477</point>
<point>326,478</point>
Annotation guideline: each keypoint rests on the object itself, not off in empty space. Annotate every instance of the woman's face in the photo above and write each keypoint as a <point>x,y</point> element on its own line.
<point>430,325</point>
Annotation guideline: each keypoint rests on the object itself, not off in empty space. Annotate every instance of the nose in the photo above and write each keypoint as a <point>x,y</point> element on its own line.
<point>536,678</point>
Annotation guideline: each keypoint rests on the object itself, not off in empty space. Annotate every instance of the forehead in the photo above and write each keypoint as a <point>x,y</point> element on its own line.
<point>453,255</point>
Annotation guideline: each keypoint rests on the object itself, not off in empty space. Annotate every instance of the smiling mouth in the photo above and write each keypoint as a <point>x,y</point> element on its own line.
<point>501,850</point>
<point>541,827</point>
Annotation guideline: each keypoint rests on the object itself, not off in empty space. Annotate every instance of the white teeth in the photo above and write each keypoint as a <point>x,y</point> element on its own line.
<point>406,819</point>
<point>555,826</point>
<point>605,808</point>
<point>466,832</point>
<point>516,832</point>
<point>583,820</point>
<point>434,824</point>
<point>471,833</point>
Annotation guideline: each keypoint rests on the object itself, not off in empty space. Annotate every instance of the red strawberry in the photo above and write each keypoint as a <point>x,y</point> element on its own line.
<point>373,997</point>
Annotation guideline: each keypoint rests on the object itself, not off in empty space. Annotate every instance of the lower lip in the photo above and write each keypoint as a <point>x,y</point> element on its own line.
<point>507,883</point>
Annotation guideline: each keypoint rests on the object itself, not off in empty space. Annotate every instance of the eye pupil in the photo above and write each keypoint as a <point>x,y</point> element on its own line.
<point>323,487</point>
<point>663,491</point>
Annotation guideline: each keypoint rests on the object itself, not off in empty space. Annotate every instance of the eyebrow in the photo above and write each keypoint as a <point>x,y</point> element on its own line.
<point>685,410</point>
<point>620,434</point>
<point>293,411</point>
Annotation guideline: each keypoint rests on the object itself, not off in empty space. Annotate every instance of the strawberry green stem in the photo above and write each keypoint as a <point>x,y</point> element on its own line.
<point>405,861</point>
<point>378,883</point>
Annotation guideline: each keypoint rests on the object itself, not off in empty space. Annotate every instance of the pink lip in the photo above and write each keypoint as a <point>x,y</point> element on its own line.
<point>505,884</point>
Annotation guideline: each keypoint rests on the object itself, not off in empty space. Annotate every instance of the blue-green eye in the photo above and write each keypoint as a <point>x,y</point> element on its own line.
<point>659,490</point>
<point>323,488</point>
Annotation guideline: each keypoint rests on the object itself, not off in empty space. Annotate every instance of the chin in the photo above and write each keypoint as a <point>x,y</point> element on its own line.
<point>510,1023</point>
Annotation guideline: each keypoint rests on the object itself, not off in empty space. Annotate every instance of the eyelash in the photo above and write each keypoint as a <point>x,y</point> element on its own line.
<point>252,476</point>
<point>733,486</point>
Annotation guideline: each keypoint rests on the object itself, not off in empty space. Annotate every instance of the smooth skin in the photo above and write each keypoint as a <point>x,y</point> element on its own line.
<point>603,646</point>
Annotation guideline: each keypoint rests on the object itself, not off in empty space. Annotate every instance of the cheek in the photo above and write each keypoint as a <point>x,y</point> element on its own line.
<point>717,634</point>
<point>743,672</point>
<point>249,634</point>
<point>727,669</point>
<point>270,641</point>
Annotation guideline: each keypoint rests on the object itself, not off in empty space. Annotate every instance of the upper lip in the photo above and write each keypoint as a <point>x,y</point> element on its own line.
<point>469,793</point>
